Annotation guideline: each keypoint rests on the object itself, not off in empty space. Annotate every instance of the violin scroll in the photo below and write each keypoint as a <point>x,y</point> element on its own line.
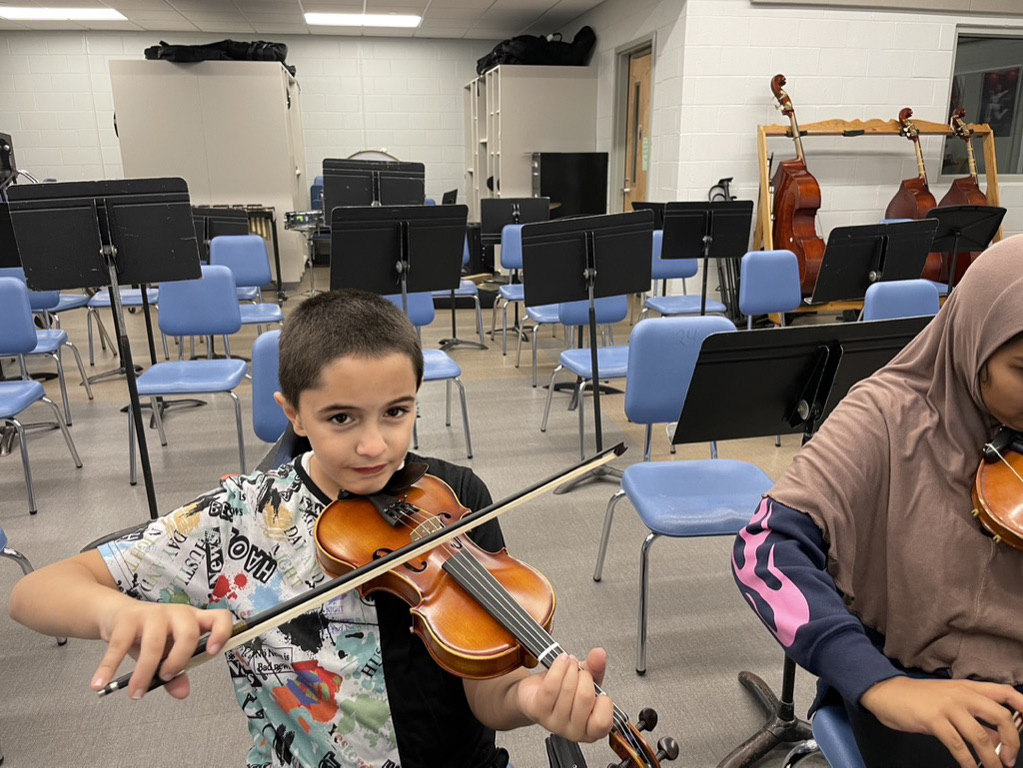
<point>633,749</point>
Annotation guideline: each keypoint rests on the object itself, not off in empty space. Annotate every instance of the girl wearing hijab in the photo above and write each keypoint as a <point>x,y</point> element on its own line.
<point>866,562</point>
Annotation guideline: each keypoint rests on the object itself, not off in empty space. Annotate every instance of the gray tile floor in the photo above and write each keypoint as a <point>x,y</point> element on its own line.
<point>701,632</point>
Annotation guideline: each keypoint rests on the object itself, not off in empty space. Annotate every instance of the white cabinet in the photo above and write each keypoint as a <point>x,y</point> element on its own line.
<point>513,111</point>
<point>231,129</point>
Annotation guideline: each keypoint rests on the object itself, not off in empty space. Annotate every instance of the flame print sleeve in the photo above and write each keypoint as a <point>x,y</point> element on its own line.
<point>778,561</point>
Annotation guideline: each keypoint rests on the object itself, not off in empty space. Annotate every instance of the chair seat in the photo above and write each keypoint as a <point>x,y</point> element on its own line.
<point>543,314</point>
<point>512,292</point>
<point>49,342</point>
<point>130,297</point>
<point>942,287</point>
<point>438,365</point>
<point>465,288</point>
<point>682,305</point>
<point>16,396</point>
<point>834,736</point>
<point>257,314</point>
<point>70,301</point>
<point>710,497</point>
<point>248,293</point>
<point>612,362</point>
<point>190,377</point>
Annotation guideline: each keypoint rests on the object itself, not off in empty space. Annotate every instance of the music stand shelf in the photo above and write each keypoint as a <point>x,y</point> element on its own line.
<point>763,237</point>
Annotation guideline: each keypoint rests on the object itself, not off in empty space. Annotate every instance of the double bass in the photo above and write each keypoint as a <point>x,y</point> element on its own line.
<point>964,191</point>
<point>914,199</point>
<point>797,196</point>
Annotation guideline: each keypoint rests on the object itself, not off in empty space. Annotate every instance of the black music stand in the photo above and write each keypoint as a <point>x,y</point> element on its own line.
<point>372,182</point>
<point>657,208</point>
<point>450,197</point>
<point>971,227</point>
<point>398,249</point>
<point>719,230</point>
<point>857,256</point>
<point>105,233</point>
<point>212,221</point>
<point>8,255</point>
<point>582,259</point>
<point>774,381</point>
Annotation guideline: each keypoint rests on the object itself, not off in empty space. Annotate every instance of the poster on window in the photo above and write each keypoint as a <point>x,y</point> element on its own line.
<point>998,100</point>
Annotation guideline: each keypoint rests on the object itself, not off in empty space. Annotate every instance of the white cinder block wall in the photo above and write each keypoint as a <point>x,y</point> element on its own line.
<point>713,64</point>
<point>402,95</point>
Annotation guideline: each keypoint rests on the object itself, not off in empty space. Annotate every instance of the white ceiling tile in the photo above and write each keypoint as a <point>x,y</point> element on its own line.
<point>280,29</point>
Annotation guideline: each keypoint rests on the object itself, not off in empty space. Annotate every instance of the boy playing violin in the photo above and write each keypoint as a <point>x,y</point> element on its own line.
<point>346,684</point>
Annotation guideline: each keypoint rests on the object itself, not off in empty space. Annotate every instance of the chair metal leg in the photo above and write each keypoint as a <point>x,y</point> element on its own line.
<point>504,328</point>
<point>582,417</point>
<point>518,348</point>
<point>534,355</point>
<point>158,418</point>
<point>644,587</point>
<point>132,479</point>
<point>415,436</point>
<point>166,351</point>
<point>447,403</point>
<point>63,385</point>
<point>479,320</point>
<point>465,419</point>
<point>238,423</point>
<point>63,429</point>
<point>550,393</point>
<point>19,430</point>
<point>598,570</point>
<point>88,328</point>
<point>81,369</point>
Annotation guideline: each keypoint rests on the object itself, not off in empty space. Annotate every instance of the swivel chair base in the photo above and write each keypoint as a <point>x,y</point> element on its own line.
<point>782,726</point>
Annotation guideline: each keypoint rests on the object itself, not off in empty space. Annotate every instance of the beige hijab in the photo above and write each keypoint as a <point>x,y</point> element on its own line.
<point>888,477</point>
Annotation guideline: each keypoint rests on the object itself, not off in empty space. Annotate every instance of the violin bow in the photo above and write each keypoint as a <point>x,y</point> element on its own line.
<point>245,630</point>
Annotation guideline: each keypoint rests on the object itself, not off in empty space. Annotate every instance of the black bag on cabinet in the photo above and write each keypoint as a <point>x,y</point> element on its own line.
<point>223,50</point>
<point>536,49</point>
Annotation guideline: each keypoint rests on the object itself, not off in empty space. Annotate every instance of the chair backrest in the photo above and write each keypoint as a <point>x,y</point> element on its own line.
<point>204,307</point>
<point>769,282</point>
<point>662,356</point>
<point>609,309</point>
<point>19,331</point>
<point>268,420</point>
<point>316,194</point>
<point>429,201</point>
<point>511,246</point>
<point>420,307</point>
<point>900,298</point>
<point>39,300</point>
<point>666,269</point>
<point>245,256</point>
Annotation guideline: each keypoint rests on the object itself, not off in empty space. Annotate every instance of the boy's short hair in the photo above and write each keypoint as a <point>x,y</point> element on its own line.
<point>337,324</point>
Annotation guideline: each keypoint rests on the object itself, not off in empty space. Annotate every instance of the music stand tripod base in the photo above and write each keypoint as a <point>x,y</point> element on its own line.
<point>600,474</point>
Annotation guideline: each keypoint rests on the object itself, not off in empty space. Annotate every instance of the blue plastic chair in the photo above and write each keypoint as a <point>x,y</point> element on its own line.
<point>900,298</point>
<point>700,497</point>
<point>611,361</point>
<point>43,303</point>
<point>437,364</point>
<point>246,257</point>
<point>466,289</point>
<point>768,283</point>
<point>130,297</point>
<point>268,419</point>
<point>834,736</point>
<point>204,307</point>
<point>19,335</point>
<point>50,342</point>
<point>514,292</point>
<point>664,269</point>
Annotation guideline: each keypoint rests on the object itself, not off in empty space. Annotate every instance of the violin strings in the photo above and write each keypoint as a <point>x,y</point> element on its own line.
<point>1004,461</point>
<point>495,598</point>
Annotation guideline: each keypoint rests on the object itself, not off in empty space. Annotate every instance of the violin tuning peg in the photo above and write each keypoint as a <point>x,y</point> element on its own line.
<point>647,719</point>
<point>667,749</point>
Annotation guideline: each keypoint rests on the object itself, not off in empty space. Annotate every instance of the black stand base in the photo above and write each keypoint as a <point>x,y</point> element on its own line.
<point>782,726</point>
<point>600,474</point>
<point>111,373</point>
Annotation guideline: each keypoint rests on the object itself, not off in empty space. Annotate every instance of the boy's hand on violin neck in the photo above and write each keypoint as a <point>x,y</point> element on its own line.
<point>161,638</point>
<point>563,699</point>
<point>952,711</point>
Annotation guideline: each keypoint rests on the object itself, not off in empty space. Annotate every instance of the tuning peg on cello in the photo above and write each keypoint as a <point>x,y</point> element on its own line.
<point>647,719</point>
<point>667,749</point>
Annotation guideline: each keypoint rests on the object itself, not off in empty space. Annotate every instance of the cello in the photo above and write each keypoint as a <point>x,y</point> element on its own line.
<point>914,199</point>
<point>964,191</point>
<point>797,196</point>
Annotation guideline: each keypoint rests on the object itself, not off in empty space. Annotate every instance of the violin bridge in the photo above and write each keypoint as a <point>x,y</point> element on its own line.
<point>425,528</point>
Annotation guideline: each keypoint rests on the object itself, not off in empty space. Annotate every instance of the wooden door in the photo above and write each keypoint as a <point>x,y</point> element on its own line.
<point>637,128</point>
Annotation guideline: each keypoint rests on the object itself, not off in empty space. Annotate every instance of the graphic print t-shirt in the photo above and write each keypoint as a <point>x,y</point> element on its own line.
<point>316,680</point>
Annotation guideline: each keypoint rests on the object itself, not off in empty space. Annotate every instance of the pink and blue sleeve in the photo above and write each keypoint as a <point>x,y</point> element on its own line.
<point>778,561</point>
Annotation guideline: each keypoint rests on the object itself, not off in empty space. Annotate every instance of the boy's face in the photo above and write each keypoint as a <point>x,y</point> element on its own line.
<point>359,421</point>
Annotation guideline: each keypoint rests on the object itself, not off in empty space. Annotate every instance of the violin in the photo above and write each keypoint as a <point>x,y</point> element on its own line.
<point>997,497</point>
<point>914,199</point>
<point>797,196</point>
<point>479,614</point>
<point>964,191</point>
